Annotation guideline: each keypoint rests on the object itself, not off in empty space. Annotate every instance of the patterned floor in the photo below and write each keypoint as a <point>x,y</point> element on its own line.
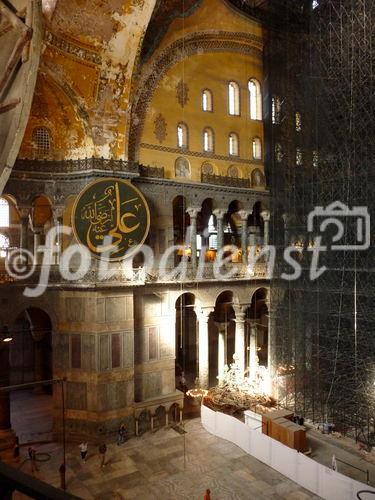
<point>155,466</point>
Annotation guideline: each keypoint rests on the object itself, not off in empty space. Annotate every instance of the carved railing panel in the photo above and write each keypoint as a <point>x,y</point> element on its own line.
<point>223,180</point>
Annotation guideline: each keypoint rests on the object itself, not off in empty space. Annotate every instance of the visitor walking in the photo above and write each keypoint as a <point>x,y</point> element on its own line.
<point>32,456</point>
<point>207,495</point>
<point>102,451</point>
<point>83,449</point>
<point>121,435</point>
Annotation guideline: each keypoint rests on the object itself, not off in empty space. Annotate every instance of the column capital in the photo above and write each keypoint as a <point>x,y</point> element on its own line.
<point>58,212</point>
<point>286,218</point>
<point>193,211</point>
<point>219,212</point>
<point>266,215</point>
<point>203,313</point>
<point>24,211</point>
<point>240,312</point>
<point>244,214</point>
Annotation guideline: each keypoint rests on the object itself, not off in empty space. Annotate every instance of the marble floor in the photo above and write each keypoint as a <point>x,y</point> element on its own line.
<point>166,465</point>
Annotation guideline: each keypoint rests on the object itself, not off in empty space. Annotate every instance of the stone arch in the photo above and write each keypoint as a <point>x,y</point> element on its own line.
<point>195,43</point>
<point>186,335</point>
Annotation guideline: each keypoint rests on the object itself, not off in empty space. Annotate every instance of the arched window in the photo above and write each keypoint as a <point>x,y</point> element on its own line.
<point>41,141</point>
<point>4,245</point>
<point>207,104</point>
<point>255,100</point>
<point>298,122</point>
<point>299,157</point>
<point>276,110</point>
<point>208,140</point>
<point>4,213</point>
<point>257,148</point>
<point>182,135</point>
<point>233,144</point>
<point>278,152</point>
<point>233,98</point>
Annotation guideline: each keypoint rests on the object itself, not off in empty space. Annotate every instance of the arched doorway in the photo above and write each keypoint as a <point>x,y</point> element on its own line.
<point>181,222</point>
<point>186,341</point>
<point>221,335</point>
<point>257,317</point>
<point>30,360</point>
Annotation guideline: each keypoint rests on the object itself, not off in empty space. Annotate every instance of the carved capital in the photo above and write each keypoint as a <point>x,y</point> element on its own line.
<point>219,213</point>
<point>193,212</point>
<point>244,214</point>
<point>265,215</point>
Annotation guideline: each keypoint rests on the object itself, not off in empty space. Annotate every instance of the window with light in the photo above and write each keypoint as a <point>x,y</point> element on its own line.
<point>207,100</point>
<point>257,148</point>
<point>208,140</point>
<point>233,144</point>
<point>255,98</point>
<point>182,133</point>
<point>4,213</point>
<point>234,98</point>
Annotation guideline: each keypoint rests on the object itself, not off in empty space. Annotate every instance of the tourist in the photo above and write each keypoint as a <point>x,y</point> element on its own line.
<point>16,449</point>
<point>83,449</point>
<point>121,435</point>
<point>32,456</point>
<point>207,495</point>
<point>102,451</point>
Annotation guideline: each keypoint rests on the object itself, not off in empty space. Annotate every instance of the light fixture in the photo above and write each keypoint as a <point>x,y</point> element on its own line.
<point>5,335</point>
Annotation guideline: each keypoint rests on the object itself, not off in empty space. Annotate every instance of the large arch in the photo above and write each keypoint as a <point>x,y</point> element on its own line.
<point>191,44</point>
<point>186,341</point>
<point>31,360</point>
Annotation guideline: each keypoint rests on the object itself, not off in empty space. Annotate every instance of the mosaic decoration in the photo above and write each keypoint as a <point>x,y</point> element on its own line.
<point>182,167</point>
<point>207,169</point>
<point>160,129</point>
<point>233,171</point>
<point>257,178</point>
<point>182,93</point>
<point>111,218</point>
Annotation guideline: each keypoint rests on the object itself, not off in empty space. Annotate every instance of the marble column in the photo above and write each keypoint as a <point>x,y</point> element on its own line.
<point>203,315</point>
<point>219,214</point>
<point>193,212</point>
<point>37,230</point>
<point>286,219</point>
<point>221,349</point>
<point>266,218</point>
<point>24,236</point>
<point>58,217</point>
<point>253,350</point>
<point>239,340</point>
<point>4,381</point>
<point>252,236</point>
<point>271,351</point>
<point>244,214</point>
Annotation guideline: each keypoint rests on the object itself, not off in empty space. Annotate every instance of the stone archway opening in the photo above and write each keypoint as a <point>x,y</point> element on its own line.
<point>257,337</point>
<point>30,360</point>
<point>186,342</point>
<point>221,335</point>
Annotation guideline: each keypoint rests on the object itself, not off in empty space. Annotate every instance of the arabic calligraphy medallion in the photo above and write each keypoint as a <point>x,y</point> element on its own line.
<point>111,218</point>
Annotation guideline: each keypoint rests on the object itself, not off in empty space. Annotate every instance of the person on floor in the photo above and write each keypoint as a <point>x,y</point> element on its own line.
<point>32,456</point>
<point>102,451</point>
<point>121,435</point>
<point>83,449</point>
<point>207,495</point>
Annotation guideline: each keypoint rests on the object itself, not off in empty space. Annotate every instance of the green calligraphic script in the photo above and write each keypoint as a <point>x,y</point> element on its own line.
<point>111,218</point>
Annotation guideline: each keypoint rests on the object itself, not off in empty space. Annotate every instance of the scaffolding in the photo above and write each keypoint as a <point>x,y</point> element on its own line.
<point>320,63</point>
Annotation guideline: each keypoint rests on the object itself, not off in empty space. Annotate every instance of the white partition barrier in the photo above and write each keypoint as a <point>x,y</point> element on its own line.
<point>301,469</point>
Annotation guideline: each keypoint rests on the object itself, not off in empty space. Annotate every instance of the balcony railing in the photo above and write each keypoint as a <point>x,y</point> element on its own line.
<point>72,166</point>
<point>136,276</point>
<point>223,180</point>
<point>146,171</point>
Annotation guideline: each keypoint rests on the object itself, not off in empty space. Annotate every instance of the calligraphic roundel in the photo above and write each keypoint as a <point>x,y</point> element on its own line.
<point>111,218</point>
